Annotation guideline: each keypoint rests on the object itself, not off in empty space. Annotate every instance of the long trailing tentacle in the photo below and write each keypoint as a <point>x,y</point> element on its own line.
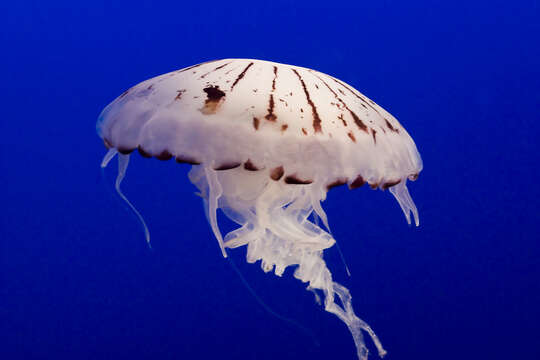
<point>319,213</point>
<point>214,193</point>
<point>123,162</point>
<point>268,309</point>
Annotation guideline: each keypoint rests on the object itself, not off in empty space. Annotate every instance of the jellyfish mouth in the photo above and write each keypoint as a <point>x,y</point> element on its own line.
<point>274,219</point>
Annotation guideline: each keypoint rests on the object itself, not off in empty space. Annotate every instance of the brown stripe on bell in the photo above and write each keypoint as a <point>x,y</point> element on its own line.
<point>316,118</point>
<point>211,71</point>
<point>359,97</point>
<point>241,76</point>
<point>256,123</point>
<point>179,95</point>
<point>357,120</point>
<point>388,125</point>
<point>271,116</point>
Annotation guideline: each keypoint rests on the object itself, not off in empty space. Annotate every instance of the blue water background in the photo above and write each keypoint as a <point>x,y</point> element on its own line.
<point>77,280</point>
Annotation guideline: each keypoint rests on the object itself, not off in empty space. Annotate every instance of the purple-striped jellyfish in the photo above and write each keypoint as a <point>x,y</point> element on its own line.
<point>267,141</point>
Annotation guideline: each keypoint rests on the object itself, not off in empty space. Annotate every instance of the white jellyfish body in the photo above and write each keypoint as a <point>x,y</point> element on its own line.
<point>267,141</point>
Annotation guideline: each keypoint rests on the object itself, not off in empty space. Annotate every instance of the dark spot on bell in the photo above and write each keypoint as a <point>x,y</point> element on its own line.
<point>186,160</point>
<point>374,186</point>
<point>336,183</point>
<point>351,135</point>
<point>304,131</point>
<point>277,173</point>
<point>284,127</point>
<point>388,184</point>
<point>213,93</point>
<point>228,166</point>
<point>164,155</point>
<point>143,152</point>
<point>248,165</point>
<point>213,97</point>
<point>359,181</point>
<point>292,179</point>
<point>256,123</point>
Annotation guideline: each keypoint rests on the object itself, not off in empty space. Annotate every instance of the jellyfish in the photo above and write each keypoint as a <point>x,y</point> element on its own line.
<point>266,142</point>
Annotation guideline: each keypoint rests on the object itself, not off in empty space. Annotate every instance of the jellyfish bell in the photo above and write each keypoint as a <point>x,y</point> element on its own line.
<point>267,141</point>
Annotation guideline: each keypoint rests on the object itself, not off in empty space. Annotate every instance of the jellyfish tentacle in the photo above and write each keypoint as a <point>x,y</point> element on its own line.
<point>276,228</point>
<point>268,309</point>
<point>320,213</point>
<point>214,193</point>
<point>123,162</point>
<point>108,157</point>
<point>401,193</point>
<point>357,324</point>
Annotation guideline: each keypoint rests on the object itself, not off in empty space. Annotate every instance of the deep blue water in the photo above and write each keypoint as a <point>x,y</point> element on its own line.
<point>77,280</point>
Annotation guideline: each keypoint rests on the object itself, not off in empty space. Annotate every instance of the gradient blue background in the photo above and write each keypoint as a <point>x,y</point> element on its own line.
<point>78,282</point>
